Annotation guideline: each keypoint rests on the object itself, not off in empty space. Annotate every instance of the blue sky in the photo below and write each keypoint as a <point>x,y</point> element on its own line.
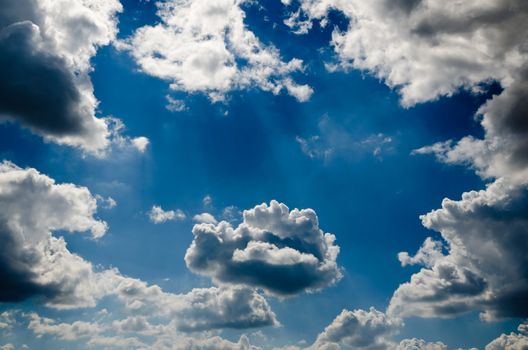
<point>347,151</point>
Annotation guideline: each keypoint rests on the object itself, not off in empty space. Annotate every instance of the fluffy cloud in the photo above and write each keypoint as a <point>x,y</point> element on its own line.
<point>204,46</point>
<point>503,152</point>
<point>426,48</point>
<point>158,216</point>
<point>483,264</point>
<point>282,251</point>
<point>358,329</point>
<point>419,344</point>
<point>512,341</point>
<point>45,51</point>
<point>34,263</point>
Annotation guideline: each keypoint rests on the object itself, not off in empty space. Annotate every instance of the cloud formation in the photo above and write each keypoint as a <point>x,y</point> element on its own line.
<point>158,216</point>
<point>35,263</point>
<point>281,251</point>
<point>430,49</point>
<point>512,341</point>
<point>483,264</point>
<point>204,46</point>
<point>358,329</point>
<point>45,52</point>
<point>426,49</point>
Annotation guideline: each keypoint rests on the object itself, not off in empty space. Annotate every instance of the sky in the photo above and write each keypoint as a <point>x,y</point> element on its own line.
<point>281,174</point>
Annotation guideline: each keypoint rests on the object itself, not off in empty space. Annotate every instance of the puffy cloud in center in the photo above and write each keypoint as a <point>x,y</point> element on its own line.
<point>281,251</point>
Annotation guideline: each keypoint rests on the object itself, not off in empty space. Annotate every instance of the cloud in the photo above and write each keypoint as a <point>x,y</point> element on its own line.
<point>158,216</point>
<point>204,46</point>
<point>45,52</point>
<point>426,49</point>
<point>358,329</point>
<point>484,266</point>
<point>503,151</point>
<point>512,341</point>
<point>419,344</point>
<point>140,143</point>
<point>282,251</point>
<point>34,263</point>
<point>429,49</point>
<point>205,218</point>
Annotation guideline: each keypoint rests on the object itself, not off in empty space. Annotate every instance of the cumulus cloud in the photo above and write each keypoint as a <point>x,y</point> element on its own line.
<point>427,49</point>
<point>282,251</point>
<point>512,341</point>
<point>34,263</point>
<point>204,46</point>
<point>132,333</point>
<point>358,329</point>
<point>45,52</point>
<point>484,265</point>
<point>158,216</point>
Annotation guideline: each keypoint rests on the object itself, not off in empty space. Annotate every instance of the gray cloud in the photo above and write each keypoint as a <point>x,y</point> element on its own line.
<point>485,264</point>
<point>282,251</point>
<point>45,52</point>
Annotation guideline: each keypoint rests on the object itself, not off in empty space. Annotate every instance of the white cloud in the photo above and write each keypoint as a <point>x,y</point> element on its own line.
<point>512,341</point>
<point>205,218</point>
<point>204,46</point>
<point>419,344</point>
<point>158,216</point>
<point>140,143</point>
<point>282,251</point>
<point>358,329</point>
<point>427,49</point>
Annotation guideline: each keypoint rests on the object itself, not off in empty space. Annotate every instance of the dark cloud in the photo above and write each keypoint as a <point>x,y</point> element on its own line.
<point>283,252</point>
<point>16,276</point>
<point>486,265</point>
<point>37,88</point>
<point>45,52</point>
